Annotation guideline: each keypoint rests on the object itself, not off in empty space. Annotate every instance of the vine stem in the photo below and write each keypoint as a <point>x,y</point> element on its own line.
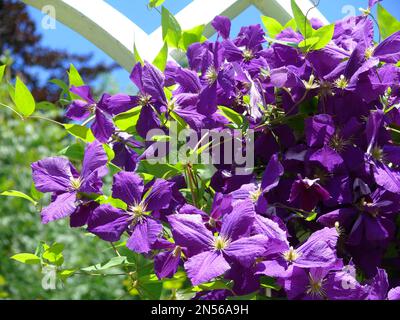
<point>13,110</point>
<point>46,119</point>
<point>84,123</point>
<point>190,179</point>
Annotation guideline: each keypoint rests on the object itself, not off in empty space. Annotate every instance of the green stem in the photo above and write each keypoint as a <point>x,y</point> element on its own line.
<point>13,110</point>
<point>47,119</point>
<point>84,123</point>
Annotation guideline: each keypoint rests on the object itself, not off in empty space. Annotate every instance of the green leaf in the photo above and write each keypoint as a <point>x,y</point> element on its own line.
<point>74,77</point>
<point>159,170</point>
<point>232,115</point>
<point>18,194</point>
<point>308,43</point>
<point>66,273</point>
<point>290,24</point>
<point>46,105</point>
<point>112,263</point>
<point>171,30</point>
<point>54,255</point>
<point>137,56</point>
<point>81,132</point>
<point>325,35</point>
<point>192,36</point>
<point>214,285</point>
<point>273,27</point>
<point>285,43</point>
<point>23,99</point>
<point>73,152</point>
<point>155,3</point>
<point>36,195</point>
<point>387,23</point>
<point>2,69</point>
<point>312,216</point>
<point>303,24</point>
<point>27,258</point>
<point>109,151</point>
<point>126,121</point>
<point>161,60</point>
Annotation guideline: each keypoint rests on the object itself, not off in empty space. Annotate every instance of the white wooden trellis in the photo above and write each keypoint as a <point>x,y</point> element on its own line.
<point>115,34</point>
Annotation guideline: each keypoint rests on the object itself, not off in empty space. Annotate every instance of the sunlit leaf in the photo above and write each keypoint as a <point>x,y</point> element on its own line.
<point>161,60</point>
<point>23,99</point>
<point>27,258</point>
<point>273,27</point>
<point>18,194</point>
<point>171,30</point>
<point>80,132</point>
<point>388,24</point>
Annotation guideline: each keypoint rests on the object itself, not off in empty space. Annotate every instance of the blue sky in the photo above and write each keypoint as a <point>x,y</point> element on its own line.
<point>64,38</point>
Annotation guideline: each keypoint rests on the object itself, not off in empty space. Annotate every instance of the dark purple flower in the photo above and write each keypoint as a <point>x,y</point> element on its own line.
<point>58,176</point>
<point>306,193</point>
<point>209,255</point>
<point>109,222</point>
<point>103,110</point>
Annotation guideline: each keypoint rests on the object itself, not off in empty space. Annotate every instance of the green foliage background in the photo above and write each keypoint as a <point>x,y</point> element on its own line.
<point>22,142</point>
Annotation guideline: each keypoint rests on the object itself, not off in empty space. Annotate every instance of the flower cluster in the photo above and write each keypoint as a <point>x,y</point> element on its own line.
<point>319,213</point>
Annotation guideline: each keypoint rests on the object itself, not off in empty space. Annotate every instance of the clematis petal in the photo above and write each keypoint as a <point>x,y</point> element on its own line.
<point>206,266</point>
<point>119,103</point>
<point>144,235</point>
<point>52,174</point>
<point>389,49</point>
<point>95,158</point>
<point>166,264</point>
<point>78,110</point>
<point>238,223</point>
<point>272,173</point>
<point>62,206</point>
<point>246,250</point>
<point>147,120</point>
<point>159,196</point>
<point>128,187</point>
<point>81,215</point>
<point>108,222</point>
<point>102,127</point>
<point>272,268</point>
<point>222,25</point>
<point>189,232</point>
<point>84,93</point>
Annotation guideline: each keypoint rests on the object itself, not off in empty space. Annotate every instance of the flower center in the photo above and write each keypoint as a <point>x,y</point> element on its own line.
<point>377,153</point>
<point>75,183</point>
<point>338,143</point>
<point>212,222</point>
<point>325,89</point>
<point>220,243</point>
<point>211,75</point>
<point>369,52</point>
<point>311,83</point>
<point>341,82</point>
<point>315,287</point>
<point>137,211</point>
<point>177,251</point>
<point>92,108</point>
<point>144,100</point>
<point>255,195</point>
<point>247,55</point>
<point>291,255</point>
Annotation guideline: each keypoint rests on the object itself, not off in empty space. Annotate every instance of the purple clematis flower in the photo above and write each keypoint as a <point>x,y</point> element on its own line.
<point>209,255</point>
<point>306,193</point>
<point>103,110</point>
<point>319,251</point>
<point>59,176</point>
<point>109,222</point>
